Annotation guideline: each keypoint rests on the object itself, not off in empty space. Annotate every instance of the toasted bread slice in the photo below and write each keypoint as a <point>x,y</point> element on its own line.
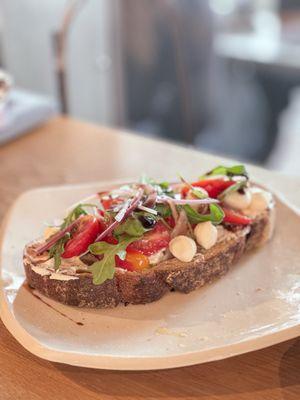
<point>151,284</point>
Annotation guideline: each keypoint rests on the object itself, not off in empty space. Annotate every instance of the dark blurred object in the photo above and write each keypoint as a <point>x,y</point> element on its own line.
<point>271,52</point>
<point>288,5</point>
<point>168,53</point>
<point>177,87</point>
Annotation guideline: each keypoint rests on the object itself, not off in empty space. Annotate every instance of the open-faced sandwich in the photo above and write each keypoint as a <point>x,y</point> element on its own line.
<point>141,240</point>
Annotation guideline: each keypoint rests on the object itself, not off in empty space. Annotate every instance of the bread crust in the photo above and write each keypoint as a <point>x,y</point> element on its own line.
<point>150,285</point>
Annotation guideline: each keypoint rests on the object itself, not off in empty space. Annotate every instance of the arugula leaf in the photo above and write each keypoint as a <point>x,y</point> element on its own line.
<point>233,188</point>
<point>160,188</point>
<point>57,249</point>
<point>105,269</point>
<point>164,185</point>
<point>216,214</point>
<point>57,259</point>
<point>74,214</point>
<point>236,170</point>
<point>132,227</point>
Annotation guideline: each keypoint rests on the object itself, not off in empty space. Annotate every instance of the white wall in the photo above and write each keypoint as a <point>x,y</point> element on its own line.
<point>28,26</point>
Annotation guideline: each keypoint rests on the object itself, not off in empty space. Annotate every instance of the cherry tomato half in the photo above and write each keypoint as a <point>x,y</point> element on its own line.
<point>137,259</point>
<point>134,261</point>
<point>110,237</point>
<point>109,202</point>
<point>85,233</point>
<point>232,217</point>
<point>170,221</point>
<point>214,187</point>
<point>124,264</point>
<point>152,241</point>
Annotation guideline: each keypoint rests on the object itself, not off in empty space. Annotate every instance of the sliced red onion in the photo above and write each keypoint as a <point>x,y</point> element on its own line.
<point>148,189</point>
<point>151,199</point>
<point>107,231</point>
<point>56,237</point>
<point>118,207</point>
<point>132,206</point>
<point>196,201</point>
<point>173,209</point>
<point>147,209</point>
<point>181,226</point>
<point>122,211</point>
<point>187,201</point>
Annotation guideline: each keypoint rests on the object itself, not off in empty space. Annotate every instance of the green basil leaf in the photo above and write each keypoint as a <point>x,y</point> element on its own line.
<point>163,210</point>
<point>236,170</point>
<point>164,185</point>
<point>233,188</point>
<point>193,216</point>
<point>199,193</point>
<point>132,227</point>
<point>216,214</point>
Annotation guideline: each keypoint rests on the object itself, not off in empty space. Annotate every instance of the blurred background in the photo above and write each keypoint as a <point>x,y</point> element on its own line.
<point>220,75</point>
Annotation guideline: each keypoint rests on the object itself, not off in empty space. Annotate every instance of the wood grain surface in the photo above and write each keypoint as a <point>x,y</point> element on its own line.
<point>66,150</point>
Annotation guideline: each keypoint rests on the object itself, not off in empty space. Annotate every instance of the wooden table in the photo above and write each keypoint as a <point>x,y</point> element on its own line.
<point>65,150</point>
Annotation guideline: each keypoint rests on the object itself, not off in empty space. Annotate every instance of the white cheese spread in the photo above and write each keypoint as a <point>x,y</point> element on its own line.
<point>157,257</point>
<point>62,277</point>
<point>41,271</point>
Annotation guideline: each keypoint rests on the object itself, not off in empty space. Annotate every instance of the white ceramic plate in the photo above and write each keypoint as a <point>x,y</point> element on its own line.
<point>255,305</point>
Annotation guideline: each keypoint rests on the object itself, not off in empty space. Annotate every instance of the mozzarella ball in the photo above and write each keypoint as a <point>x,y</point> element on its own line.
<point>183,248</point>
<point>261,200</point>
<point>238,201</point>
<point>206,234</point>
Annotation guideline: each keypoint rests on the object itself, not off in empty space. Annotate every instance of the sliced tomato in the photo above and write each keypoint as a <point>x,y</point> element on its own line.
<point>110,202</point>
<point>134,261</point>
<point>214,187</point>
<point>110,239</point>
<point>100,212</point>
<point>124,264</point>
<point>170,221</point>
<point>152,241</point>
<point>232,217</point>
<point>184,191</point>
<point>85,233</point>
<point>137,259</point>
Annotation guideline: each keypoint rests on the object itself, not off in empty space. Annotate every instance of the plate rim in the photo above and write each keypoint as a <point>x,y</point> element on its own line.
<point>128,363</point>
